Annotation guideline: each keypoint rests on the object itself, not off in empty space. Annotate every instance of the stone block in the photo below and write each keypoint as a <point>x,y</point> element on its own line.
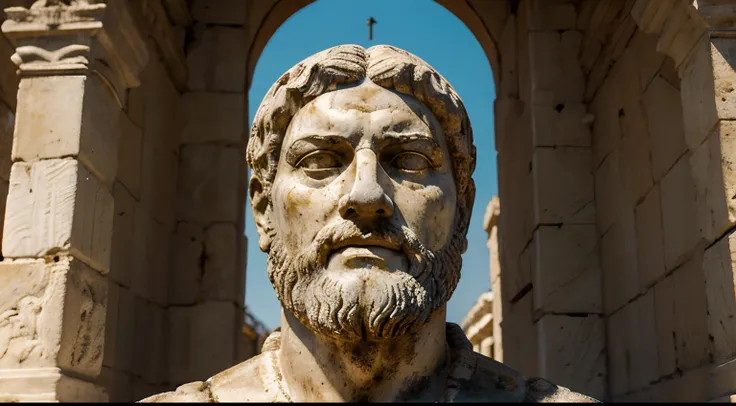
<point>4,186</point>
<point>186,258</point>
<point>127,331</point>
<point>618,327</point>
<point>123,236</point>
<point>634,154</point>
<point>649,61</point>
<point>700,105</point>
<point>222,12</point>
<point>714,176</point>
<point>561,125</point>
<point>47,385</point>
<point>663,110</point>
<point>210,183</point>
<point>222,271</point>
<point>664,309</point>
<point>564,338</point>
<point>150,261</point>
<point>161,109</point>
<point>650,239</point>
<point>136,109</point>
<point>52,315</point>
<point>150,346</point>
<point>521,342</point>
<point>217,59</point>
<point>58,205</point>
<point>118,384</point>
<point>62,116</point>
<point>642,338</point>
<point>109,357</point>
<point>7,125</point>
<point>214,118</point>
<point>9,79</point>
<point>558,15</point>
<point>679,214</point>
<point>692,343</point>
<point>563,185</point>
<point>612,192</point>
<point>130,153</point>
<point>508,83</point>
<point>718,267</point>
<point>619,265</point>
<point>606,132</point>
<point>567,278</point>
<point>556,74</point>
<point>203,340</point>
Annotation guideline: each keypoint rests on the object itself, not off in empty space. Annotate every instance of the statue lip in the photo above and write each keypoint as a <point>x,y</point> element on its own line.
<point>368,240</point>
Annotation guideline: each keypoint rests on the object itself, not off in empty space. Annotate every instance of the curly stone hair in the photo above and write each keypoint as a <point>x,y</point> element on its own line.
<point>388,67</point>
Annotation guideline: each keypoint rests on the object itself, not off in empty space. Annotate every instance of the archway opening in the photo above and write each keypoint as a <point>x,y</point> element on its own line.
<point>435,35</point>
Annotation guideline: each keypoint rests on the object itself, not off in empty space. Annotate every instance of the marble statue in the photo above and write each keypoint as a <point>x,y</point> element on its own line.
<point>361,191</point>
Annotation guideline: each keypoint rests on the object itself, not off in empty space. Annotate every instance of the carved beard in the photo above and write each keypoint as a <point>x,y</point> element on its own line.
<point>391,305</point>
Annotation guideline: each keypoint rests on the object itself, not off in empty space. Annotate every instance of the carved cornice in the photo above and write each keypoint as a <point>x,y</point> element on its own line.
<point>55,37</point>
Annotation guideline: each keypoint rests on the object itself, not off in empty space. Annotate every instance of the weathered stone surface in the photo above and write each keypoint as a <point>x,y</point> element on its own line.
<point>162,121</point>
<point>618,263</point>
<point>664,121</point>
<point>61,116</point>
<point>556,75</point>
<point>123,239</point>
<point>46,385</point>
<point>210,178</point>
<point>650,239</point>
<point>7,125</point>
<point>58,205</point>
<point>679,214</point>
<point>130,152</point>
<point>612,191</point>
<point>545,15</point>
<point>214,117</point>
<point>634,154</point>
<point>149,348</point>
<point>563,338</point>
<point>691,320</point>
<point>223,12</point>
<point>186,259</point>
<point>713,166</point>
<point>52,315</point>
<point>563,186</point>
<point>720,283</point>
<point>561,125</point>
<point>216,58</point>
<point>195,353</point>
<point>567,278</point>
<point>222,273</point>
<point>126,330</point>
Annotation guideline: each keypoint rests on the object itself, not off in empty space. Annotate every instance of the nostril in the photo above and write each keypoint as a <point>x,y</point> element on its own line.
<point>350,211</point>
<point>380,211</point>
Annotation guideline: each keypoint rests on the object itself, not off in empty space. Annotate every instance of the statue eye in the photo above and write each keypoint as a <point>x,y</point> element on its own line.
<point>320,164</point>
<point>411,162</point>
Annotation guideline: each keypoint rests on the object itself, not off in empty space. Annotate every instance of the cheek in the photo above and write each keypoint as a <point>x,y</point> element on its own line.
<point>429,211</point>
<point>301,212</point>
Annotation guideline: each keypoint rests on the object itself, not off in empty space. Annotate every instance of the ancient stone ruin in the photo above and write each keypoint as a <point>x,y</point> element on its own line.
<point>122,145</point>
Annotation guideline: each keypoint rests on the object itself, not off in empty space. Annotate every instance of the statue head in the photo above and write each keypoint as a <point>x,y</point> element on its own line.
<point>361,190</point>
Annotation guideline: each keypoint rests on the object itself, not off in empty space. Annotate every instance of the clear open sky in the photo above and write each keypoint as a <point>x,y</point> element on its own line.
<point>429,31</point>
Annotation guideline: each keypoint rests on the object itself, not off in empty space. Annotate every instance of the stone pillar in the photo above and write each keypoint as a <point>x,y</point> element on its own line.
<point>76,61</point>
<point>207,275</point>
<point>490,224</point>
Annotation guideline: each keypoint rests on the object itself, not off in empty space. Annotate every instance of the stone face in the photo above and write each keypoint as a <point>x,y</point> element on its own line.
<point>222,12</point>
<point>691,321</point>
<point>123,239</point>
<point>130,155</point>
<point>58,205</point>
<point>665,124</point>
<point>619,266</point>
<point>718,263</point>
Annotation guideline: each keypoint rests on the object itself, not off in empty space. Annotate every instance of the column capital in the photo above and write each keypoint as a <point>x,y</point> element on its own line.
<point>63,37</point>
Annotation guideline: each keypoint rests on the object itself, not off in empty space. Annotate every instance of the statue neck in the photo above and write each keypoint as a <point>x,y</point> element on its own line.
<point>318,368</point>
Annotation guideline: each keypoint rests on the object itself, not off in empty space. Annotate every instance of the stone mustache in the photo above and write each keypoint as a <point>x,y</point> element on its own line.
<point>361,191</point>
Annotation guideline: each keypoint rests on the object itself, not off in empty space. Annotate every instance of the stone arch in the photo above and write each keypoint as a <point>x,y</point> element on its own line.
<point>264,18</point>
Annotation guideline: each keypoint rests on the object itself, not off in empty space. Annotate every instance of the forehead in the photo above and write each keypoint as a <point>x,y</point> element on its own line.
<point>367,107</point>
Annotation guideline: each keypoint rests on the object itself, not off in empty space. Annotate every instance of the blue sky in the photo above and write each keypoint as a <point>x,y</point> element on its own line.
<point>429,31</point>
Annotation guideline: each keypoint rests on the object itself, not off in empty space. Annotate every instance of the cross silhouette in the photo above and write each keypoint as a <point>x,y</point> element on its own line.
<point>371,21</point>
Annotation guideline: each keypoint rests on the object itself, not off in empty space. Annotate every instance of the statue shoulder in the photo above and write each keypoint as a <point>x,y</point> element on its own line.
<point>540,390</point>
<point>245,382</point>
<point>493,379</point>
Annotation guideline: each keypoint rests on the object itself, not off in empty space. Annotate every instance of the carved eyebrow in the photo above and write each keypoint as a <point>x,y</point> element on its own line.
<point>312,142</point>
<point>420,141</point>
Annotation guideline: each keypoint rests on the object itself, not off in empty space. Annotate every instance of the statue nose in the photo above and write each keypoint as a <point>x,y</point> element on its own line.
<point>367,197</point>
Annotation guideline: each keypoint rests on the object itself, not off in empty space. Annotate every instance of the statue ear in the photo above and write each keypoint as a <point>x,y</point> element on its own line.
<point>259,202</point>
